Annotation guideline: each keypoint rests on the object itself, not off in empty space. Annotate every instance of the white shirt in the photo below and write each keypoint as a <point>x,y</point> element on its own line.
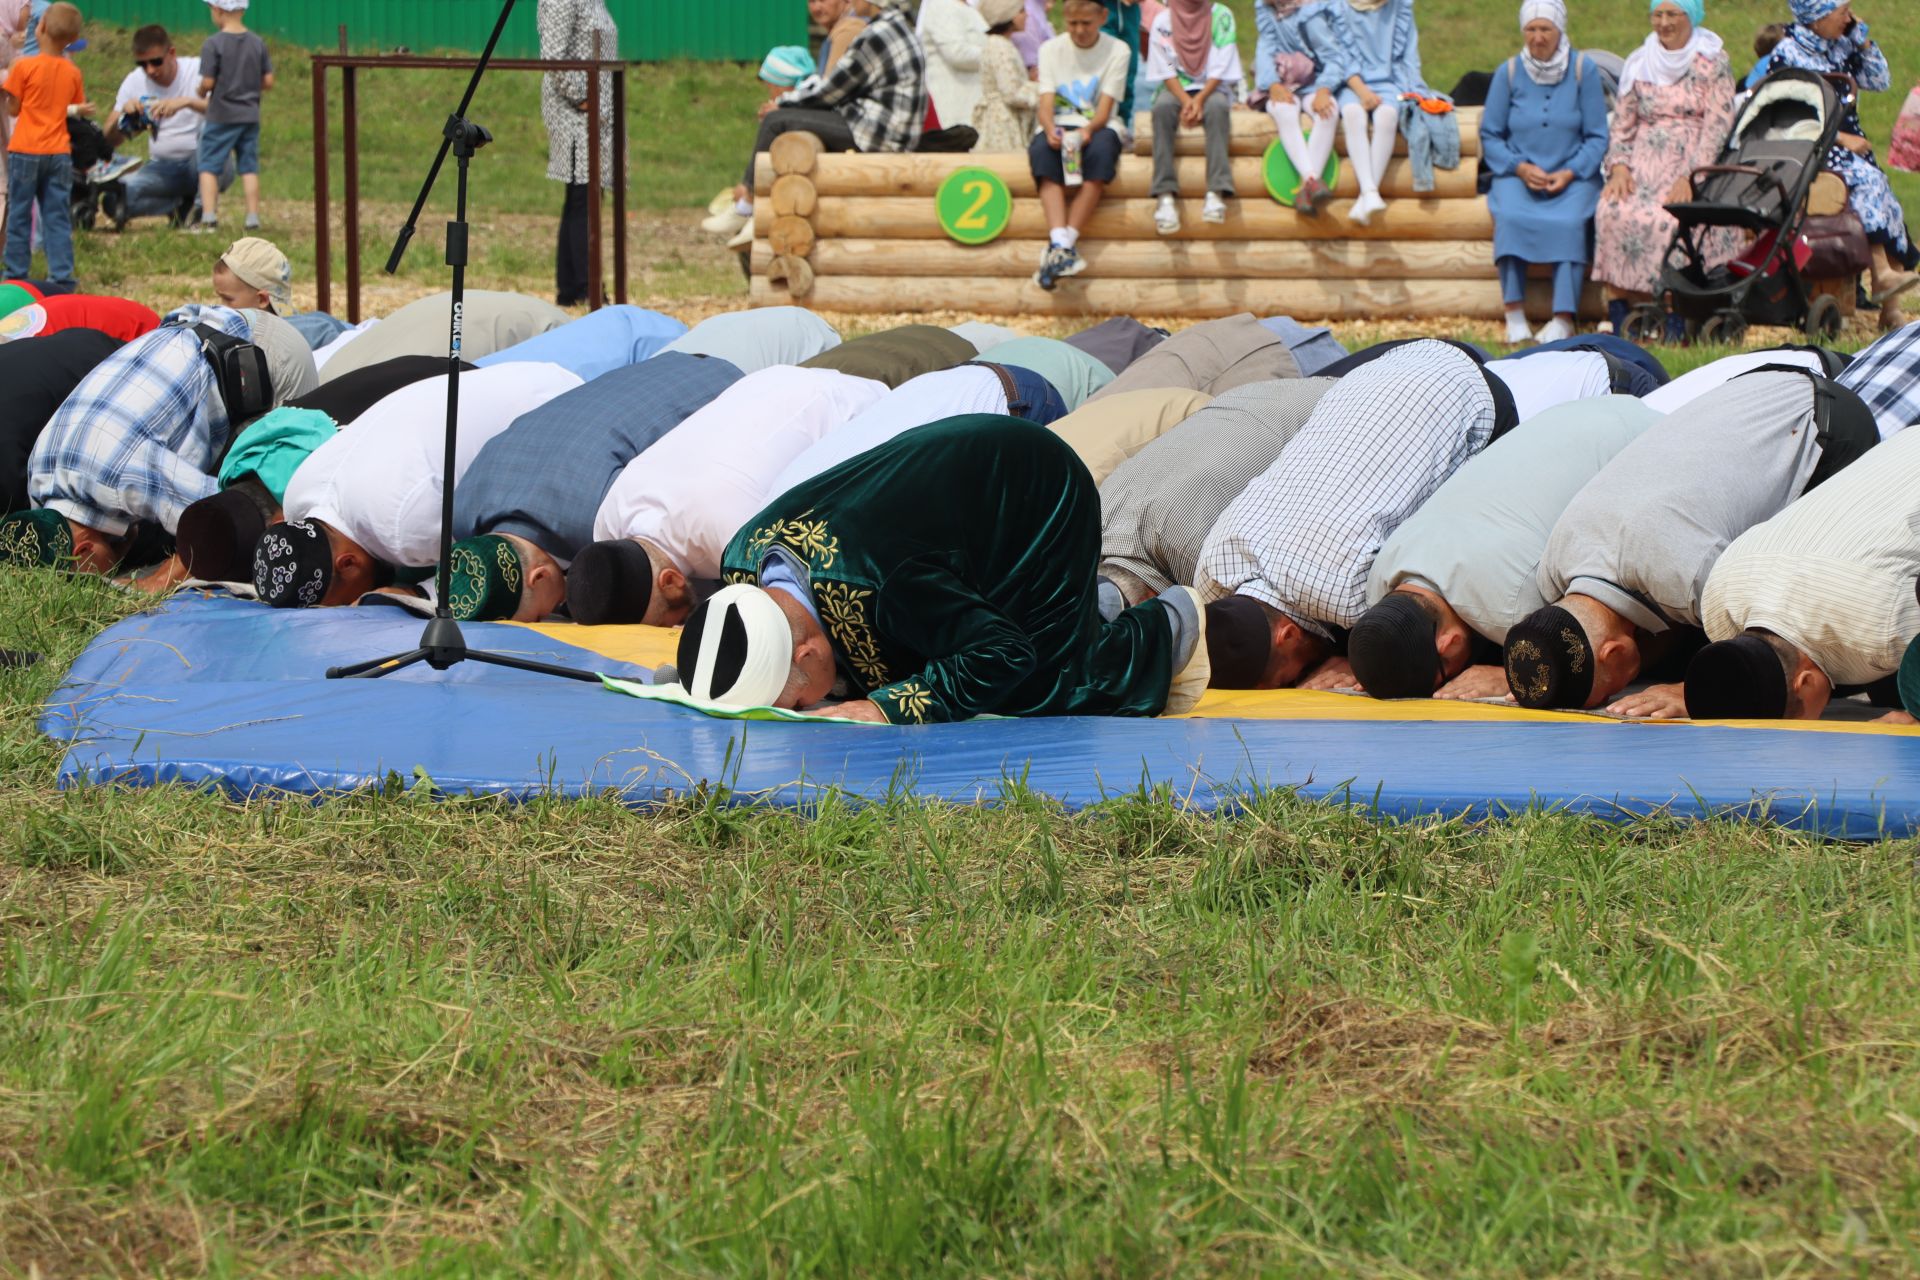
<point>178,136</point>
<point>953,37</point>
<point>1691,386</point>
<point>1834,573</point>
<point>1163,61</point>
<point>323,354</point>
<point>691,490</point>
<point>1538,383</point>
<point>914,403</point>
<point>378,481</point>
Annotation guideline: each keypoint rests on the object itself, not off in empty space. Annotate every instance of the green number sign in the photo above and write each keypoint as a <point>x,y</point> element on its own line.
<point>1282,182</point>
<point>974,205</point>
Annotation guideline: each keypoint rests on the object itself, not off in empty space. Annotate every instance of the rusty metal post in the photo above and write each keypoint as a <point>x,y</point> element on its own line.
<point>595,297</point>
<point>350,127</point>
<point>322,233</point>
<point>620,185</point>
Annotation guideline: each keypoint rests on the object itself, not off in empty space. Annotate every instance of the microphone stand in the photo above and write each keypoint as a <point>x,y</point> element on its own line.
<point>441,644</point>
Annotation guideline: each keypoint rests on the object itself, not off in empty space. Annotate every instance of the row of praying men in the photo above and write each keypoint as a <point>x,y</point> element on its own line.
<point>931,524</point>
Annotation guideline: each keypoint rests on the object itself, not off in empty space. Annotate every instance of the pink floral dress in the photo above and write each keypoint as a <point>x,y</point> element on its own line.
<point>1661,133</point>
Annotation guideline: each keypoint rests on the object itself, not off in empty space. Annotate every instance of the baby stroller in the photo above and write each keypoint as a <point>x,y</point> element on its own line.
<point>1777,148</point>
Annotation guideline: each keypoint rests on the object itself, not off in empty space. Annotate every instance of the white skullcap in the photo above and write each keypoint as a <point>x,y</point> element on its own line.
<point>737,649</point>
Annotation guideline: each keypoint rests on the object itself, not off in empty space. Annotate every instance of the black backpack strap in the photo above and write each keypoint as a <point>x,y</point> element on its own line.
<point>1842,423</point>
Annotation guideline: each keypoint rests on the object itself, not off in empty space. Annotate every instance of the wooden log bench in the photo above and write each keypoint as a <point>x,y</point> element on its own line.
<point>856,232</point>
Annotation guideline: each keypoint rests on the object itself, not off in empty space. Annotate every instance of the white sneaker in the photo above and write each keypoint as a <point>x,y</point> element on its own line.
<point>1190,682</point>
<point>1166,216</point>
<point>1554,330</point>
<point>743,238</point>
<point>1215,209</point>
<point>726,223</point>
<point>1518,330</point>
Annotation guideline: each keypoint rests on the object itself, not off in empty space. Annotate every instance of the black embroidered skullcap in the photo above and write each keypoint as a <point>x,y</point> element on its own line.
<point>1392,649</point>
<point>217,535</point>
<point>1549,662</point>
<point>736,649</point>
<point>1737,679</point>
<point>610,582</point>
<point>1239,642</point>
<point>41,536</point>
<point>293,565</point>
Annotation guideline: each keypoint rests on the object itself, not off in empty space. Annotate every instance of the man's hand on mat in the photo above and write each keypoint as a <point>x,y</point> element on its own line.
<point>1334,673</point>
<point>1656,702</point>
<point>1483,681</point>
<point>169,574</point>
<point>1896,717</point>
<point>863,709</point>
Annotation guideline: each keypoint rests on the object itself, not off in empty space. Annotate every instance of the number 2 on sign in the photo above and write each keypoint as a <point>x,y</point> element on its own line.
<point>975,218</point>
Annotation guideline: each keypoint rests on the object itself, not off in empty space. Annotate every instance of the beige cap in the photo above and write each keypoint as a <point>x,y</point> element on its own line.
<point>260,263</point>
<point>995,12</point>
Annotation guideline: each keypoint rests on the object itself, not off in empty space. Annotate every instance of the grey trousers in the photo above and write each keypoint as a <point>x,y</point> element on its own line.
<point>1215,118</point>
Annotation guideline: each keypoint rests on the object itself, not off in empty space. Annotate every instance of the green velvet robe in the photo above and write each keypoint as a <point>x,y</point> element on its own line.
<point>954,572</point>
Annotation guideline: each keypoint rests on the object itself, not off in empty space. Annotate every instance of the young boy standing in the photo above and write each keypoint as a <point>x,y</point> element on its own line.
<point>1082,77</point>
<point>39,90</point>
<point>234,71</point>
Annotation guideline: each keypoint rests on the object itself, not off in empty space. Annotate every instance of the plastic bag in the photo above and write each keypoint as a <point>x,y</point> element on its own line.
<point>1905,152</point>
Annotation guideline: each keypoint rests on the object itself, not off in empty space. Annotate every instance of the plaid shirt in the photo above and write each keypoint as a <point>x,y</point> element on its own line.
<point>1303,536</point>
<point>138,438</point>
<point>879,86</point>
<point>1887,376</point>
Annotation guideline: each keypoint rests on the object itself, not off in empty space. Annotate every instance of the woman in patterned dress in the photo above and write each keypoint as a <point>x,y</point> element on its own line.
<point>1826,38</point>
<point>567,28</point>
<point>1673,115</point>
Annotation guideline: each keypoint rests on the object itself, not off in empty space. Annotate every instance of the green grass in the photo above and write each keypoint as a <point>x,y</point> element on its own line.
<point>410,1036</point>
<point>418,1037</point>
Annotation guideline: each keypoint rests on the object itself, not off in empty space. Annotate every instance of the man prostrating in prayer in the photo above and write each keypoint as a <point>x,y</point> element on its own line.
<point>945,574</point>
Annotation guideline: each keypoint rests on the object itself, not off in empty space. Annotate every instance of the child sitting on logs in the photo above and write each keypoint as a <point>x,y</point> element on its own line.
<point>1083,75</point>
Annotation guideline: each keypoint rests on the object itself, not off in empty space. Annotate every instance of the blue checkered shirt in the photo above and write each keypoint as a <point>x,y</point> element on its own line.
<point>1887,376</point>
<point>138,438</point>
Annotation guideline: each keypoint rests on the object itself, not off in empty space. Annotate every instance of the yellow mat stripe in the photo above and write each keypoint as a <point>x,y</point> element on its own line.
<point>651,646</point>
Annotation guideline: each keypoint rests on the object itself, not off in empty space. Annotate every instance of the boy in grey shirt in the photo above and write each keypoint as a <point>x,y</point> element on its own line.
<point>234,71</point>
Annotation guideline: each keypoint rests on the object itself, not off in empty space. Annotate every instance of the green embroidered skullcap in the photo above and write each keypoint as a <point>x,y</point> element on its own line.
<point>484,579</point>
<point>40,536</point>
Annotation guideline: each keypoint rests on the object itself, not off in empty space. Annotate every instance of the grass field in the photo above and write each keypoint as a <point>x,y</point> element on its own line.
<point>425,1037</point>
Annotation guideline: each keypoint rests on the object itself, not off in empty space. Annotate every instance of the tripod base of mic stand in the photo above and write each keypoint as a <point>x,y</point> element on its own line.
<point>442,646</point>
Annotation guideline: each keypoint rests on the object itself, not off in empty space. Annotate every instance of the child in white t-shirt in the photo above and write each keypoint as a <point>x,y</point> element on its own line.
<point>1082,78</point>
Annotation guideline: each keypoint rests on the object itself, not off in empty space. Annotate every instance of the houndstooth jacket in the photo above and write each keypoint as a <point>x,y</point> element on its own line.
<point>566,31</point>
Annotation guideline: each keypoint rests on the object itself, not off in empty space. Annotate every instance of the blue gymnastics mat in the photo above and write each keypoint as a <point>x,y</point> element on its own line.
<point>223,693</point>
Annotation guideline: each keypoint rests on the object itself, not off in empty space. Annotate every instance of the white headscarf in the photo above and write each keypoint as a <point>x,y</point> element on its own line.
<point>1656,64</point>
<point>1554,69</point>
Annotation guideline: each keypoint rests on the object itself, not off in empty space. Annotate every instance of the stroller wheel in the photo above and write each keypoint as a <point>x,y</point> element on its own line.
<point>1645,323</point>
<point>1823,318</point>
<point>1726,328</point>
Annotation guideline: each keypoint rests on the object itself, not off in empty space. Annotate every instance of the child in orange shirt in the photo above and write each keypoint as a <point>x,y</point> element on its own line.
<point>39,89</point>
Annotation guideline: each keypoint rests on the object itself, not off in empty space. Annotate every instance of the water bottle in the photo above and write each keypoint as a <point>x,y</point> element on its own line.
<point>1070,157</point>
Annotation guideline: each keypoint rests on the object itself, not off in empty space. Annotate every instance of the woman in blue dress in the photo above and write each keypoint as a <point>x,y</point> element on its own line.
<point>1380,61</point>
<point>1827,38</point>
<point>1544,135</point>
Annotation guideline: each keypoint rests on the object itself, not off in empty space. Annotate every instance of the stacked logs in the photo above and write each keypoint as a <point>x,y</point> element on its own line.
<point>854,232</point>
